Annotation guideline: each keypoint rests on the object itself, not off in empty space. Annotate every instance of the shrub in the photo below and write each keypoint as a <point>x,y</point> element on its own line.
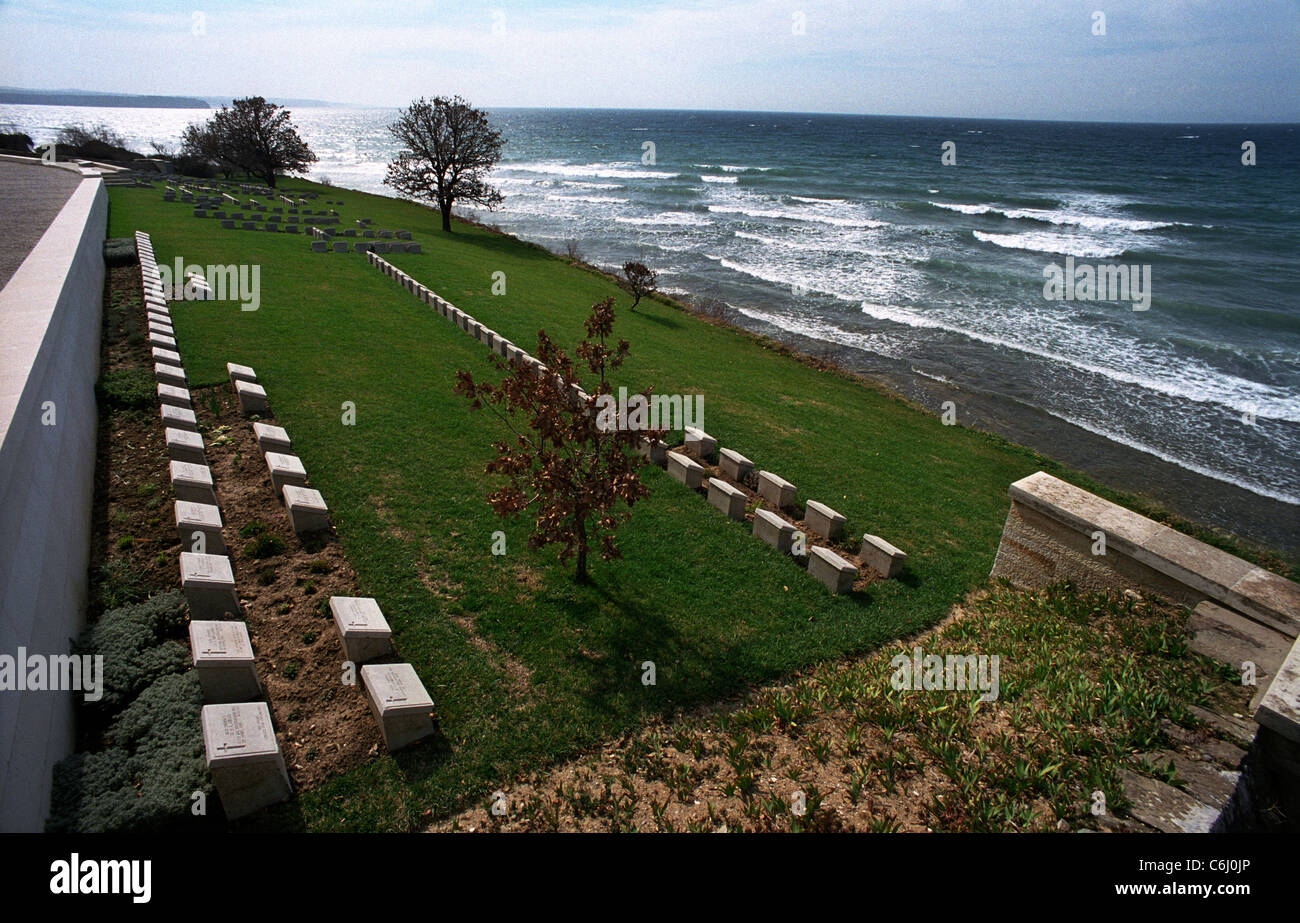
<point>143,782</point>
<point>117,584</point>
<point>265,546</point>
<point>127,389</point>
<point>134,642</point>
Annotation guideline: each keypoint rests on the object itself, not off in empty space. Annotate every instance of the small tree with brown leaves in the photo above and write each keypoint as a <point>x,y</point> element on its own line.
<point>571,471</point>
<point>640,280</point>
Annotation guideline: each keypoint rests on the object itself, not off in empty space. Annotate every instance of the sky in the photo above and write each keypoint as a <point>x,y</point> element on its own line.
<point>1121,60</point>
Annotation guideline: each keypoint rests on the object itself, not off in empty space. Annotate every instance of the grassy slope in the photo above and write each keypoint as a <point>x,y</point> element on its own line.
<point>715,609</point>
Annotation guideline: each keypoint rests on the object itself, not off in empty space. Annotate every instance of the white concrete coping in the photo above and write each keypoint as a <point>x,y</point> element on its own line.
<point>1224,578</point>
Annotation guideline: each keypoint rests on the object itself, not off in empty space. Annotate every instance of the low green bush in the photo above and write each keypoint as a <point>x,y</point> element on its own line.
<point>127,389</point>
<point>138,646</point>
<point>145,781</point>
<point>265,545</point>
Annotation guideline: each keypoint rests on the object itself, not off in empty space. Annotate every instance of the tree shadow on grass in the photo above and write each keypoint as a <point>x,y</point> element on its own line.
<point>670,322</point>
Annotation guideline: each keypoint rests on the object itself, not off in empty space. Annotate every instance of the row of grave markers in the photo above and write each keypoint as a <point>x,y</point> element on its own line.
<point>394,692</point>
<point>824,565</point>
<point>243,755</point>
<point>827,567</point>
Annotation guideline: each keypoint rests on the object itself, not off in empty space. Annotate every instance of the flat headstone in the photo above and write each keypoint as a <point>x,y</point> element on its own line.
<point>179,418</point>
<point>194,519</point>
<point>734,465</point>
<point>774,530</point>
<point>166,355</point>
<point>699,443</point>
<point>192,482</point>
<point>209,584</point>
<point>362,627</point>
<point>240,373</point>
<point>307,509</point>
<point>285,470</point>
<point>244,757</point>
<point>222,655</point>
<point>654,451</point>
<point>399,702</point>
<point>686,470</point>
<point>823,520</point>
<point>775,490</point>
<point>252,397</point>
<point>726,498</point>
<point>185,446</point>
<point>828,568</point>
<point>340,246</point>
<point>168,373</point>
<point>170,394</point>
<point>881,557</point>
<point>161,339</point>
<point>272,438</point>
<point>319,246</point>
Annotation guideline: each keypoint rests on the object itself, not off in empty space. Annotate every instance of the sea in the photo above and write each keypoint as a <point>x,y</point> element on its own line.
<point>919,251</point>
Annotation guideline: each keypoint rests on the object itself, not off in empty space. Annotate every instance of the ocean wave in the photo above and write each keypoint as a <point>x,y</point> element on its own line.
<point>1186,381</point>
<point>1124,439</point>
<point>587,199</point>
<point>1052,216</point>
<point>813,200</point>
<point>798,216</point>
<point>1042,242</point>
<point>710,178</point>
<point>579,184</point>
<point>613,170</point>
<point>672,219</point>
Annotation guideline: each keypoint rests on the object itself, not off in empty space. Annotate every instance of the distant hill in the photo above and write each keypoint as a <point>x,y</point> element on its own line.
<point>19,97</point>
<point>216,102</point>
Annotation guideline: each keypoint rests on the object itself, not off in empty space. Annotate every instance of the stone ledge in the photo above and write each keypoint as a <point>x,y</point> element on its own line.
<point>1208,571</point>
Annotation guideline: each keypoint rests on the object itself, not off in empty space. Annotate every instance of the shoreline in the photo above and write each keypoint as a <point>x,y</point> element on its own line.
<point>1217,505</point>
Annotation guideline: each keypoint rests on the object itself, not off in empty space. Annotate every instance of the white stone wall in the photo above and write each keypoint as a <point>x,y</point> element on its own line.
<point>50,313</point>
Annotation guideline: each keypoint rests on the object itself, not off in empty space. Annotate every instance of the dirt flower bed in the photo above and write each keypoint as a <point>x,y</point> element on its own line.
<point>1086,682</point>
<point>131,520</point>
<point>284,584</point>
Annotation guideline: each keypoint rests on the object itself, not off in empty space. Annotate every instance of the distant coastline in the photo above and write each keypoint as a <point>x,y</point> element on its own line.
<point>19,97</point>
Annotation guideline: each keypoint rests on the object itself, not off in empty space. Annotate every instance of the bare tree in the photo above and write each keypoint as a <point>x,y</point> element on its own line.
<point>568,466</point>
<point>640,280</point>
<point>447,150</point>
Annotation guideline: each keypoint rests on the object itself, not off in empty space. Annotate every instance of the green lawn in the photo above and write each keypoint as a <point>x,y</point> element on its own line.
<point>556,666</point>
